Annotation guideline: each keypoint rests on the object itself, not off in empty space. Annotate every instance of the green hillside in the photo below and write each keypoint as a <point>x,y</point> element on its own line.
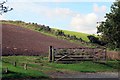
<point>34,26</point>
<point>78,34</point>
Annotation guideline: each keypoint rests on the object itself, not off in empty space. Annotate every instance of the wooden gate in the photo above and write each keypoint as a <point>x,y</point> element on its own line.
<point>76,54</point>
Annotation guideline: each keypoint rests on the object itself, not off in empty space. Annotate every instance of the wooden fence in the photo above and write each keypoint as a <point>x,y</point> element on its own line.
<point>76,54</point>
<point>15,64</point>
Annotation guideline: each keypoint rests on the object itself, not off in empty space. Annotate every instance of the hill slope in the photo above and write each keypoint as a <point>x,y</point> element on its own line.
<point>21,41</point>
<point>42,28</point>
<point>77,34</point>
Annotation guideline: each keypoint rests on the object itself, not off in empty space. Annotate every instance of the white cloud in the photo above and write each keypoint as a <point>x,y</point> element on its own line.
<point>53,14</point>
<point>79,22</point>
<point>21,6</point>
<point>98,9</point>
<point>2,17</point>
<point>41,9</point>
<point>103,8</point>
<point>84,23</point>
<point>63,11</point>
<point>87,22</point>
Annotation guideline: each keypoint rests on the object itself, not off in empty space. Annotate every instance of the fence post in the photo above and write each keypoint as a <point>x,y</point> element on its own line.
<point>50,53</point>
<point>25,66</point>
<point>53,52</point>
<point>14,64</point>
<point>105,51</point>
<point>6,70</point>
<point>94,55</point>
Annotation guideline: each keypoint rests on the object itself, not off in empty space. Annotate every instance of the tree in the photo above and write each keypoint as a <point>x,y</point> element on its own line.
<point>48,28</point>
<point>93,39</point>
<point>59,33</point>
<point>4,9</point>
<point>110,28</point>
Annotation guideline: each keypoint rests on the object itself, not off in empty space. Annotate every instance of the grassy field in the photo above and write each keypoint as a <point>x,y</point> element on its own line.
<point>37,67</point>
<point>19,71</point>
<point>78,34</point>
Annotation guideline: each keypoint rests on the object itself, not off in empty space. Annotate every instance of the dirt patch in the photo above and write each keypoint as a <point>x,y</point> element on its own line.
<point>20,41</point>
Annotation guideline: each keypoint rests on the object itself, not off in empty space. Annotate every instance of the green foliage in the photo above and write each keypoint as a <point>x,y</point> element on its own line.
<point>96,40</point>
<point>110,29</point>
<point>59,33</point>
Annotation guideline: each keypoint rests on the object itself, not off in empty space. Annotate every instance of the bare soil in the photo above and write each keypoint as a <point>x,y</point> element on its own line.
<point>17,40</point>
<point>20,41</point>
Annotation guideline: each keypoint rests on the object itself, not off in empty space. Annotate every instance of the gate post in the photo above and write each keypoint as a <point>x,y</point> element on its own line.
<point>105,51</point>
<point>50,53</point>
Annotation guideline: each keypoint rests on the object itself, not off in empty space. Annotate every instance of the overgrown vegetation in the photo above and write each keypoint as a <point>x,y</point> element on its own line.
<point>96,40</point>
<point>37,66</point>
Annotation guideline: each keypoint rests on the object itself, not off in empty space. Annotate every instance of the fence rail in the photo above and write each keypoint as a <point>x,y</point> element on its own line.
<point>76,54</point>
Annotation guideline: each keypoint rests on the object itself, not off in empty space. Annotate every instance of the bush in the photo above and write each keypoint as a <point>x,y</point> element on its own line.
<point>96,40</point>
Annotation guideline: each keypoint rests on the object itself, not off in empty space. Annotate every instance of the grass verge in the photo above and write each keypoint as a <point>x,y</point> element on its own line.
<point>41,64</point>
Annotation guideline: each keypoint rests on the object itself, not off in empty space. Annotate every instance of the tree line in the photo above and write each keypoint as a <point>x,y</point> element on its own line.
<point>110,28</point>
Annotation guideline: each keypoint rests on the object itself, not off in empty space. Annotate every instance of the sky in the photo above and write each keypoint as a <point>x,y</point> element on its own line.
<point>73,15</point>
